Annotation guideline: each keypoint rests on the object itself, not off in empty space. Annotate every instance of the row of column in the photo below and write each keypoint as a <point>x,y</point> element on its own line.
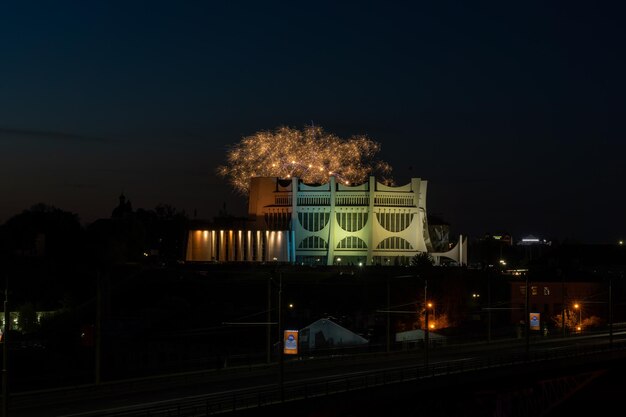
<point>238,245</point>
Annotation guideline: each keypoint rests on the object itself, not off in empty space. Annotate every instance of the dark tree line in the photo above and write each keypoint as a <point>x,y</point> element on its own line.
<point>50,259</point>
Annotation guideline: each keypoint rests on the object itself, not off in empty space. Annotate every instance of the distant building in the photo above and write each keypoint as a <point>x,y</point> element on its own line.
<point>504,238</point>
<point>418,335</point>
<point>549,299</point>
<point>325,333</point>
<point>531,240</point>
<point>327,224</point>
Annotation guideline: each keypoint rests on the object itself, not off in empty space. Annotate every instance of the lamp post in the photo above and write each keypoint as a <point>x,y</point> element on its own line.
<point>430,306</point>
<point>578,307</point>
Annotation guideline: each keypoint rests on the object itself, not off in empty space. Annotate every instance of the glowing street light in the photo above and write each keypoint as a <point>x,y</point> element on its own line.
<point>580,316</point>
<point>427,306</point>
<point>431,305</point>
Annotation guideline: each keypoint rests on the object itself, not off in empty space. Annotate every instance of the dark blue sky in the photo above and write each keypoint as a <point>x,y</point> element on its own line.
<point>514,113</point>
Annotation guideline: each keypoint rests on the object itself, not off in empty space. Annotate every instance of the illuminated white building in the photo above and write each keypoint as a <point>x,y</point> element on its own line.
<point>327,224</point>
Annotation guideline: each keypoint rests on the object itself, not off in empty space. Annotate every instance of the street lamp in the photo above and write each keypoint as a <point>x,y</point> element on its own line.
<point>431,305</point>
<point>580,316</point>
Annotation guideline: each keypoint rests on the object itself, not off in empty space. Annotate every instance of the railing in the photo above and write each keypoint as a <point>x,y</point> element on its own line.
<point>236,400</point>
<point>352,199</point>
<point>282,199</point>
<point>394,200</point>
<point>313,199</point>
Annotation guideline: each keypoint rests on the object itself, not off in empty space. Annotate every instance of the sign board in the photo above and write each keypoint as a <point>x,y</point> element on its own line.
<point>290,342</point>
<point>535,322</point>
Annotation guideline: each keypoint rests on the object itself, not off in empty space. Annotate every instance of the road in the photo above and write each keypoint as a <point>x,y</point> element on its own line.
<point>261,383</point>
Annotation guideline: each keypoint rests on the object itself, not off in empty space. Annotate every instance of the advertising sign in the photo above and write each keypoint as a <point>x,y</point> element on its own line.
<point>290,342</point>
<point>535,323</point>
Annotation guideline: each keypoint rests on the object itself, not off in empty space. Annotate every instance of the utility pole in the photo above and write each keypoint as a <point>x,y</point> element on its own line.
<point>563,304</point>
<point>489,272</point>
<point>5,352</point>
<point>280,339</point>
<point>98,329</point>
<point>388,318</point>
<point>426,331</point>
<point>268,333</point>
<point>611,310</point>
<point>526,318</point>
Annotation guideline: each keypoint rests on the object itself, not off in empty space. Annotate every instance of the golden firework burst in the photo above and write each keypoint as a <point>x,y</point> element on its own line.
<point>310,154</point>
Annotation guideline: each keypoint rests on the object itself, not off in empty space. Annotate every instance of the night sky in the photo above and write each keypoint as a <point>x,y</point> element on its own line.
<point>513,111</point>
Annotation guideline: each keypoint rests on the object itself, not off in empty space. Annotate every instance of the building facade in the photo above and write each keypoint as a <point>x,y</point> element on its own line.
<point>326,224</point>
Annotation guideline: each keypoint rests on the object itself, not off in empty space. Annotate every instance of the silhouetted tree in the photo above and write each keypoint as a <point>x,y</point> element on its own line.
<point>422,260</point>
<point>43,230</point>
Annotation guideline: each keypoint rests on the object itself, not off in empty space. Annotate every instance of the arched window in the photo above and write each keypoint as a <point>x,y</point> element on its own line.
<point>352,242</point>
<point>313,242</point>
<point>395,242</point>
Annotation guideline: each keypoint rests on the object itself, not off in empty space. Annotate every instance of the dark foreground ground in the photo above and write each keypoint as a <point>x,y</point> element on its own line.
<point>585,392</point>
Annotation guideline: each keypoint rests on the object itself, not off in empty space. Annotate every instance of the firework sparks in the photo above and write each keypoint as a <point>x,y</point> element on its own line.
<point>310,154</point>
